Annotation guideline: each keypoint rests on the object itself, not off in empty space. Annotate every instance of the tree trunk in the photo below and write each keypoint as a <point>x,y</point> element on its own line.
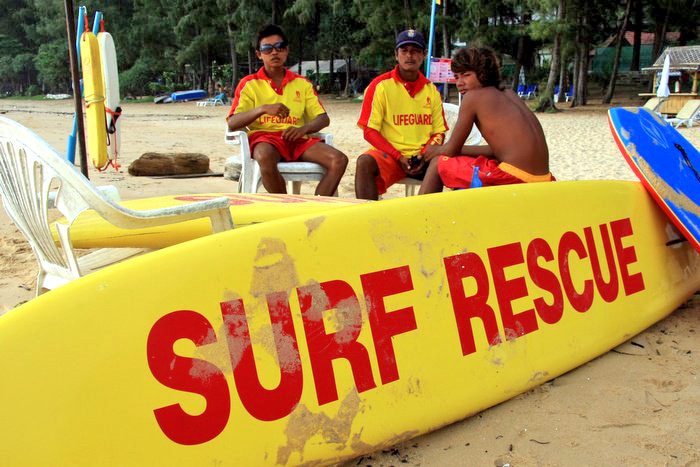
<point>275,12</point>
<point>660,35</point>
<point>563,79</point>
<point>301,54</point>
<point>638,25</point>
<point>318,71</point>
<point>348,68</point>
<point>407,14</point>
<point>519,56</point>
<point>316,31</point>
<point>546,100</point>
<point>446,47</point>
<point>446,43</point>
<point>582,45</point>
<point>202,76</point>
<point>576,64</point>
<point>585,57</point>
<point>518,62</point>
<point>582,87</point>
<point>234,57</point>
<point>332,73</point>
<point>618,51</point>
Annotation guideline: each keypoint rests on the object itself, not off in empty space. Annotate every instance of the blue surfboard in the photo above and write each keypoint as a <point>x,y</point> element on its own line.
<point>191,95</point>
<point>667,164</point>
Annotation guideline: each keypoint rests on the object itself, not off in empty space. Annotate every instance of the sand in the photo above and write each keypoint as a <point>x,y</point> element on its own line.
<point>636,405</point>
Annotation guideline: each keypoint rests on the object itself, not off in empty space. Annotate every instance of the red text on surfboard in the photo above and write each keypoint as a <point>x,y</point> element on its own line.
<point>207,380</point>
<point>603,257</point>
<point>543,262</point>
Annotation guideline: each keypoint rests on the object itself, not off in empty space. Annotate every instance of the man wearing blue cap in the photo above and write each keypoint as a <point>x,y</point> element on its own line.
<point>401,115</point>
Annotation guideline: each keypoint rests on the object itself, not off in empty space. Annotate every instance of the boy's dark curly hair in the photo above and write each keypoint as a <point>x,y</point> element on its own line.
<point>270,30</point>
<point>482,61</point>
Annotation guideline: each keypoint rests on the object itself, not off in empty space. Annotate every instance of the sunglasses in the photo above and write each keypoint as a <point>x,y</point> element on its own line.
<point>278,46</point>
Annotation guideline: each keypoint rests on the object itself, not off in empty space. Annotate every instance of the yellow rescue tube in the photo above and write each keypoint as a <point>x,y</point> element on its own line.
<point>94,92</point>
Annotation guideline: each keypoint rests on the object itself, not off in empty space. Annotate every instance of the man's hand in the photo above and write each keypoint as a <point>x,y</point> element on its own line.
<point>278,110</point>
<point>412,168</point>
<point>431,151</point>
<point>293,133</point>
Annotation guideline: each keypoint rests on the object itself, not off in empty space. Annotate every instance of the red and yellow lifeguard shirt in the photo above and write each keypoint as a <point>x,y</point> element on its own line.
<point>405,113</point>
<point>296,92</point>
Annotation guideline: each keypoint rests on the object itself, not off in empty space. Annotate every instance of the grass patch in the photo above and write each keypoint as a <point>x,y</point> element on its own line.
<point>27,98</point>
<point>138,100</point>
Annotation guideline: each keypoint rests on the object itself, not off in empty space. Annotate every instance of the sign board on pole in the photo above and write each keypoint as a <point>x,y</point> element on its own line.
<point>440,71</point>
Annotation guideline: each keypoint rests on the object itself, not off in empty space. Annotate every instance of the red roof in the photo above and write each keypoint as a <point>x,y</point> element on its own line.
<point>647,38</point>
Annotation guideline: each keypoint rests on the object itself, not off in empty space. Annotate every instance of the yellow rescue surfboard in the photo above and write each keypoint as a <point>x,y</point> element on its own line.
<point>321,337</point>
<point>94,94</point>
<point>90,230</point>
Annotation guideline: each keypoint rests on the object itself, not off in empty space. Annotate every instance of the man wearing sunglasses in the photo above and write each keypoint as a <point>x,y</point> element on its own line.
<point>401,116</point>
<point>280,109</point>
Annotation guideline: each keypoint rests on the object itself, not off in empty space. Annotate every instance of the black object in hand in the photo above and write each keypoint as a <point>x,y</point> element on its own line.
<point>413,162</point>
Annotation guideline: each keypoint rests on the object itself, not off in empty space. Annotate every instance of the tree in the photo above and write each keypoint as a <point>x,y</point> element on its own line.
<point>52,64</point>
<point>638,27</point>
<point>618,48</point>
<point>546,99</point>
<point>197,26</point>
<point>307,13</point>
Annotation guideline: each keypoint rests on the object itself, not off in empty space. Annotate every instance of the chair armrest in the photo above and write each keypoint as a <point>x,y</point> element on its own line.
<point>326,137</point>
<point>236,137</point>
<point>216,209</point>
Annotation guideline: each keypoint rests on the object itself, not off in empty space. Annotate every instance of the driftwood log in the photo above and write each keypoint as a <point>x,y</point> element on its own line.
<point>154,163</point>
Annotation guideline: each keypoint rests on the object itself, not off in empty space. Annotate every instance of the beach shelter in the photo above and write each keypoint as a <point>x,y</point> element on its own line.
<point>663,90</point>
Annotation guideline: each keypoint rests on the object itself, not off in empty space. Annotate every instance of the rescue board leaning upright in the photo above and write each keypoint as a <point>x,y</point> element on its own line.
<point>667,164</point>
<point>327,335</point>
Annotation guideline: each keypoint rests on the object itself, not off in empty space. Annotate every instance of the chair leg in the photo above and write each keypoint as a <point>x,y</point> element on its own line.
<point>40,282</point>
<point>296,187</point>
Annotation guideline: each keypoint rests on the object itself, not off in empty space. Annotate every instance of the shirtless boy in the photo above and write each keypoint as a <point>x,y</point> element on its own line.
<point>280,109</point>
<point>516,152</point>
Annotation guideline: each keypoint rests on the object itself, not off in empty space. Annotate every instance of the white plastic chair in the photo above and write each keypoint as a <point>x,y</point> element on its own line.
<point>654,104</point>
<point>293,172</point>
<point>34,178</point>
<point>687,115</point>
<point>213,101</point>
<point>451,115</point>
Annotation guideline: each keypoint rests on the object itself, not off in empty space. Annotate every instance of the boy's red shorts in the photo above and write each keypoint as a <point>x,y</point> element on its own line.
<point>289,150</point>
<point>456,172</point>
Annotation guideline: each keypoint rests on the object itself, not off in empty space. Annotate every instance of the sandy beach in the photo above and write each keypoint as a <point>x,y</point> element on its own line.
<point>636,405</point>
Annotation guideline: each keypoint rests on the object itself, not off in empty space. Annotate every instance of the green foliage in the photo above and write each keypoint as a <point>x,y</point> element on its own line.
<point>157,89</point>
<point>221,73</point>
<point>52,64</point>
<point>135,81</point>
<point>33,90</point>
<point>155,39</point>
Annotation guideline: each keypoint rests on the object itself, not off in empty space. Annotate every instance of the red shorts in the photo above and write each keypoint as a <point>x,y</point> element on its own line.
<point>390,170</point>
<point>456,172</point>
<point>289,150</point>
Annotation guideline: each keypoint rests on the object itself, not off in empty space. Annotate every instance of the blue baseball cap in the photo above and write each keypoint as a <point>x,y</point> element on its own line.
<point>410,37</point>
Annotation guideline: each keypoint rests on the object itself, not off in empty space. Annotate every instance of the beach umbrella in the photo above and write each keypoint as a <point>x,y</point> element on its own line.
<point>521,76</point>
<point>662,90</point>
